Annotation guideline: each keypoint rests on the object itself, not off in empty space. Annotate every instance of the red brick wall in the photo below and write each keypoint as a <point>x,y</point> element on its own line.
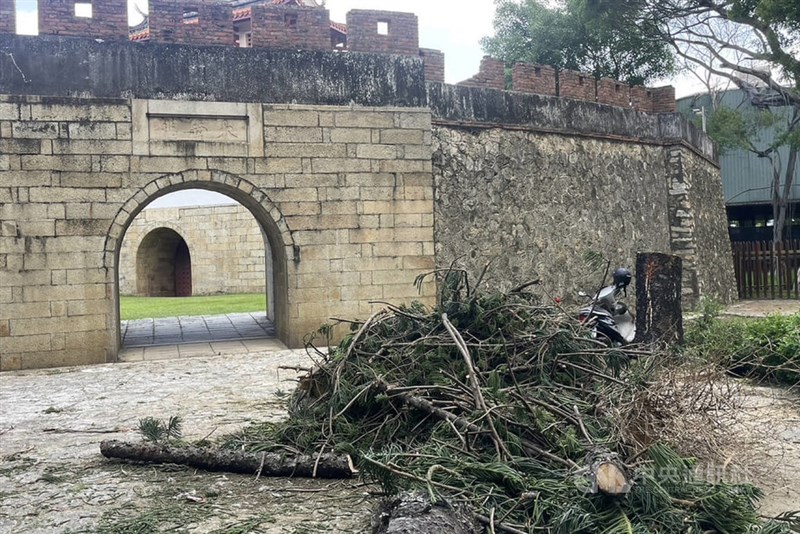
<point>363,36</point>
<point>575,85</point>
<point>433,60</point>
<point>109,19</point>
<point>8,22</point>
<point>530,78</point>
<point>613,92</point>
<point>663,99</point>
<point>641,98</point>
<point>492,75</point>
<point>214,25</point>
<point>291,27</point>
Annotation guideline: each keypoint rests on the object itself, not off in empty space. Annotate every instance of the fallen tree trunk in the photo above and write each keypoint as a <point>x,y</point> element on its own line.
<point>268,464</point>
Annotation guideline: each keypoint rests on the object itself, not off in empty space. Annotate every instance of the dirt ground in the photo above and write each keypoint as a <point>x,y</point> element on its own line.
<point>53,478</point>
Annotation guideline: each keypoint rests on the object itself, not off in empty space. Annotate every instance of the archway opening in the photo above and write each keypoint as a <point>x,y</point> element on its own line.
<point>210,265</point>
<point>163,265</point>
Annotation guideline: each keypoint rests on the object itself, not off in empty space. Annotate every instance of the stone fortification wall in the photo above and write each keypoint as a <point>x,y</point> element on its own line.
<point>342,181</point>
<point>531,183</point>
<point>344,194</point>
<point>698,226</point>
<point>533,203</point>
<point>53,66</point>
<point>225,242</point>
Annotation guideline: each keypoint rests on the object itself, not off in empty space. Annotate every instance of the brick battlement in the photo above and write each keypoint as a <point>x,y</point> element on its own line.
<point>107,19</point>
<point>189,22</point>
<point>7,16</point>
<point>491,75</point>
<point>545,80</point>
<point>303,25</point>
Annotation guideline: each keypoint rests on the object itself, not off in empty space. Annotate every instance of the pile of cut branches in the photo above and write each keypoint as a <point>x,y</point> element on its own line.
<point>508,407</point>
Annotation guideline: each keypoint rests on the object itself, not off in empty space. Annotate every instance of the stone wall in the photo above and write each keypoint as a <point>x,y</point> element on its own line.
<point>54,66</point>
<point>532,204</point>
<point>342,183</point>
<point>562,177</point>
<point>344,194</point>
<point>698,227</point>
<point>225,242</point>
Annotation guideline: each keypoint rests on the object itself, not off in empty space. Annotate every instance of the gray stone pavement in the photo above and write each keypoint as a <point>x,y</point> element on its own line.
<point>207,335</point>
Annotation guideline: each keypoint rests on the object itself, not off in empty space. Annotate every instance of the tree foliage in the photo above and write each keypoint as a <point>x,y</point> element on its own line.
<point>752,44</point>
<point>571,36</point>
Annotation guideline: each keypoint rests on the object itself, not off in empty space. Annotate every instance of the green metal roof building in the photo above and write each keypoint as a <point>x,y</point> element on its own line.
<point>746,178</point>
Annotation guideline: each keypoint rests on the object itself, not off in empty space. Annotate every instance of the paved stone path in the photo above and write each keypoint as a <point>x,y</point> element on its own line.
<point>207,335</point>
<point>170,330</point>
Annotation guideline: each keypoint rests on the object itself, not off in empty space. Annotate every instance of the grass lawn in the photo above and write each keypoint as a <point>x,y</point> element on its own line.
<point>151,307</point>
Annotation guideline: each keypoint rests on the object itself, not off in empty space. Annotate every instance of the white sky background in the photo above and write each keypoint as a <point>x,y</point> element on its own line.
<point>453,26</point>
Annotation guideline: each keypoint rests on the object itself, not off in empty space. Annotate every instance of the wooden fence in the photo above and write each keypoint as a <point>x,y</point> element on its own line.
<point>767,272</point>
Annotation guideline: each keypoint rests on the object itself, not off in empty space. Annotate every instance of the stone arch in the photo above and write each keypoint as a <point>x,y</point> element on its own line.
<point>282,251</point>
<point>163,264</point>
<point>133,246</point>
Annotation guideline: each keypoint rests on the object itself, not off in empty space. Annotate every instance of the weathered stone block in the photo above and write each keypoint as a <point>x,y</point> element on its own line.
<point>363,119</point>
<point>328,165</point>
<point>290,117</point>
<point>376,151</point>
<point>79,112</point>
<point>287,134</point>
<point>9,111</point>
<point>35,130</point>
<point>307,150</point>
<point>349,135</point>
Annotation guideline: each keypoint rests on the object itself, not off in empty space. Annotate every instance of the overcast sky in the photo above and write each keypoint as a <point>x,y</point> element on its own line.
<point>452,26</point>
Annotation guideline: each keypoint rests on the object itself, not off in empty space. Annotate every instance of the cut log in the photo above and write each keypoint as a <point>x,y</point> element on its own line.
<point>327,465</point>
<point>611,480</point>
<point>413,513</point>
<point>658,298</point>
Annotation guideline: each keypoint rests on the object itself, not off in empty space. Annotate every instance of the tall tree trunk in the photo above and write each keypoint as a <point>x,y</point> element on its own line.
<point>791,165</point>
<point>780,196</point>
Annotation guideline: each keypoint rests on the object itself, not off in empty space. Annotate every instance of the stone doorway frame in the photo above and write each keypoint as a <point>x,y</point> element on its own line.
<point>281,252</point>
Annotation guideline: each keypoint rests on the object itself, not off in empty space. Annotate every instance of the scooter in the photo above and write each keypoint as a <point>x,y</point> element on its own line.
<point>606,315</point>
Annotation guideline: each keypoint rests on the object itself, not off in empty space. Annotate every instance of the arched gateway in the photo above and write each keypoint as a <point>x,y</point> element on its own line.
<point>281,246</point>
<point>343,195</point>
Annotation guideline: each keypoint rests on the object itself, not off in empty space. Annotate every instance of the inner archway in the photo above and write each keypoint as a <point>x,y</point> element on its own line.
<point>164,245</point>
<point>163,265</point>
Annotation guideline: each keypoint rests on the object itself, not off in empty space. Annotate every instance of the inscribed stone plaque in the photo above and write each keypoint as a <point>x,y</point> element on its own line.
<point>208,129</point>
<point>172,128</point>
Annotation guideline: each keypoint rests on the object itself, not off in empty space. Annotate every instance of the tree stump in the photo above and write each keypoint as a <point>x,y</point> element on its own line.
<point>658,298</point>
